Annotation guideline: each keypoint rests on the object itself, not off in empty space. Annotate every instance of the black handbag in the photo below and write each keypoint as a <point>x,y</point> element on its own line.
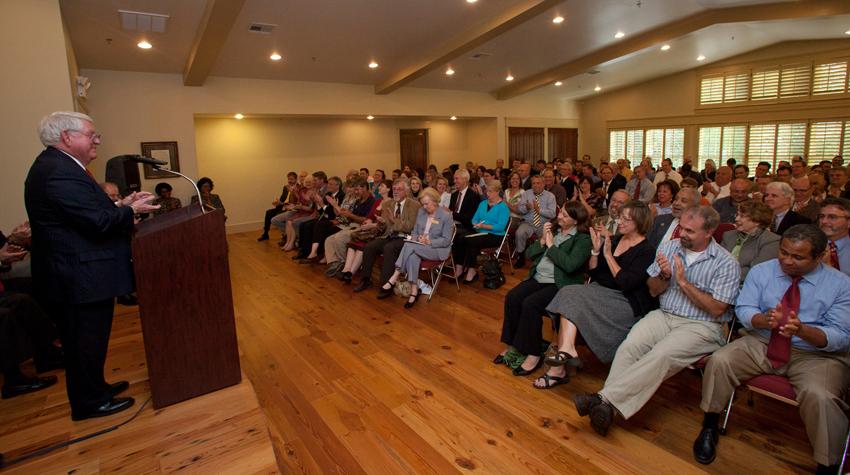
<point>492,272</point>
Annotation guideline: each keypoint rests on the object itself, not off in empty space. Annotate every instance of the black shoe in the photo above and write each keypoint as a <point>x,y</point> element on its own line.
<point>519,371</point>
<point>472,280</point>
<point>345,277</point>
<point>362,285</point>
<point>384,293</point>
<point>118,388</point>
<point>263,237</point>
<point>128,300</point>
<point>705,447</point>
<point>520,261</point>
<point>27,385</point>
<point>601,418</point>
<point>108,408</point>
<point>499,359</point>
<point>411,301</point>
<point>586,402</point>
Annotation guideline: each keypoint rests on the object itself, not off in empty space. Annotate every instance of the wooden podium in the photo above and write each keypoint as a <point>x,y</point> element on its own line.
<point>185,304</point>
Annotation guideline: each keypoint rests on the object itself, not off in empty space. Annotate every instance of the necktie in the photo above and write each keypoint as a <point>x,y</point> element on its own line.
<point>739,241</point>
<point>676,232</point>
<point>779,347</point>
<point>459,201</point>
<point>536,217</point>
<point>833,256</point>
<point>612,225</point>
<point>636,196</point>
<point>775,224</point>
<point>398,209</point>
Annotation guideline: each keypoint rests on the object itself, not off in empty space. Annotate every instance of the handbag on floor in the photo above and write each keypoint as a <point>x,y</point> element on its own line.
<point>492,272</point>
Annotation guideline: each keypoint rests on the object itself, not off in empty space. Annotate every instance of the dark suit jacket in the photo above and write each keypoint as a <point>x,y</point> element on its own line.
<point>467,209</point>
<point>569,186</point>
<point>80,239</point>
<point>526,185</point>
<point>659,229</point>
<point>618,182</point>
<point>791,218</point>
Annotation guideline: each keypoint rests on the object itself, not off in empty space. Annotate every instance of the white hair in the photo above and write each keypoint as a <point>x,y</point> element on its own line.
<point>783,188</point>
<point>463,172</point>
<point>51,126</point>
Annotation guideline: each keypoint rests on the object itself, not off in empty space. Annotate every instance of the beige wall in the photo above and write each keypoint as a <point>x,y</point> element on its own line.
<point>672,100</point>
<point>33,83</point>
<point>130,108</point>
<point>482,142</point>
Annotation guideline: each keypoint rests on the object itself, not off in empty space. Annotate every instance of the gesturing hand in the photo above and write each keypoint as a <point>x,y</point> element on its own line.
<point>791,326</point>
<point>142,204</point>
<point>681,279</point>
<point>664,264</point>
<point>10,253</point>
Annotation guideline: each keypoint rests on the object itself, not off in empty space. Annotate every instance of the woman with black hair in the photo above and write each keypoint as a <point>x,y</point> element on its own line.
<point>164,199</point>
<point>211,200</point>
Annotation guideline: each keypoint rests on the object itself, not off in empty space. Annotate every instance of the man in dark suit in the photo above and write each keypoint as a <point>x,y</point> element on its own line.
<point>610,183</point>
<point>464,203</point>
<point>80,256</point>
<point>664,227</point>
<point>779,196</point>
<point>524,170</point>
<point>287,195</point>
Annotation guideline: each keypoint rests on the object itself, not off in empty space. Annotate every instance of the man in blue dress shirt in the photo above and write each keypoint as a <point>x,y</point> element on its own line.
<point>834,221</point>
<point>817,363</point>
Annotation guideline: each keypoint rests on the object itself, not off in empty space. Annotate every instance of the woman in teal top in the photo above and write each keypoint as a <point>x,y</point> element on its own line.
<point>559,259</point>
<point>490,222</point>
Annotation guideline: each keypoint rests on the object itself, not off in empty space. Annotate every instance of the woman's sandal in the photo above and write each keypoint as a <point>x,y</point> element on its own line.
<point>562,358</point>
<point>551,381</point>
<point>411,301</point>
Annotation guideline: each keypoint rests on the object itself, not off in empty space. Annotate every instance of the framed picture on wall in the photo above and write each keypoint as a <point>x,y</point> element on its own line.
<point>165,151</point>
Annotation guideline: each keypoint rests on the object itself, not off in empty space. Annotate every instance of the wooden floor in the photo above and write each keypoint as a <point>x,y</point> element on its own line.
<point>221,432</point>
<point>350,384</point>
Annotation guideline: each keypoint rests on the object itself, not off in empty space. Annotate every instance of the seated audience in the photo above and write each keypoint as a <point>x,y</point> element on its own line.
<point>287,196</point>
<point>302,210</point>
<point>695,301</point>
<point>211,200</point>
<point>604,311</point>
<point>442,187</point>
<point>779,196</point>
<point>312,233</point>
<point>536,207</point>
<point>708,173</point>
<point>372,227</point>
<point>567,179</point>
<point>666,227</point>
<point>797,315</point>
<point>512,195</point>
<point>741,171</point>
<point>167,203</point>
<point>818,182</point>
<point>804,203</point>
<point>665,191</point>
<point>559,258</point>
<point>751,242</point>
<point>718,189</point>
<point>588,197</point>
<point>611,221</point>
<point>783,173</point>
<point>611,182</point>
<point>838,182</point>
<point>399,217</point>
<point>356,205</point>
<point>689,182</point>
<point>551,185</point>
<point>834,221</point>
<point>727,207</point>
<point>431,240</point>
<point>640,187</point>
<point>464,203</point>
<point>667,173</point>
<point>415,187</point>
<point>490,223</point>
<point>378,177</point>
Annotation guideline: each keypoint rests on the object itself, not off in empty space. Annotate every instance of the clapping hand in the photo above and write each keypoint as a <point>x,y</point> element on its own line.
<point>548,239</point>
<point>10,253</point>
<point>21,235</point>
<point>140,202</point>
<point>596,238</point>
<point>681,279</point>
<point>664,264</point>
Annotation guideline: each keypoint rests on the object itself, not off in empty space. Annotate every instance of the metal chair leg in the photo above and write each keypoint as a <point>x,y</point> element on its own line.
<point>728,411</point>
<point>844,455</point>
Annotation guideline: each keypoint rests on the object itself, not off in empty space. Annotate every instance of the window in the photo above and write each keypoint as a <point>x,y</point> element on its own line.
<point>765,85</point>
<point>709,145</point>
<point>617,145</point>
<point>794,80</point>
<point>762,146</point>
<point>846,150</point>
<point>720,144</point>
<point>634,145</point>
<point>830,78</point>
<point>790,141</point>
<point>734,143</point>
<point>736,87</point>
<point>674,145</point>
<point>824,140</point>
<point>711,90</point>
<point>655,145</point>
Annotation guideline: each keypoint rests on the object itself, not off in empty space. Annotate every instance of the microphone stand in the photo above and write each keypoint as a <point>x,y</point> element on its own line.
<point>195,186</point>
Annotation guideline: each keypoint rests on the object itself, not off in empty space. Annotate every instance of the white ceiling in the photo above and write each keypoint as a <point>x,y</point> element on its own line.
<point>333,40</point>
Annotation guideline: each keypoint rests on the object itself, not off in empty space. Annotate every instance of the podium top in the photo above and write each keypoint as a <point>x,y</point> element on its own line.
<point>173,218</point>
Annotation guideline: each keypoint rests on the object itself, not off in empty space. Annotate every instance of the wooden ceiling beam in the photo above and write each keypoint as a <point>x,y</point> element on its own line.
<point>671,31</point>
<point>466,42</point>
<point>216,23</point>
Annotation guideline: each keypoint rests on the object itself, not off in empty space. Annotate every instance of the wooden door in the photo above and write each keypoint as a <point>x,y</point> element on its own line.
<point>563,143</point>
<point>525,143</point>
<point>414,148</point>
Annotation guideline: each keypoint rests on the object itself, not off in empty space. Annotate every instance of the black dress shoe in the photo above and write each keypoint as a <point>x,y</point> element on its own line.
<point>410,303</point>
<point>27,385</point>
<point>705,447</point>
<point>362,285</point>
<point>118,388</point>
<point>519,371</point>
<point>601,418</point>
<point>472,280</point>
<point>263,237</point>
<point>384,293</point>
<point>108,408</point>
<point>499,359</point>
<point>345,277</point>
<point>586,402</point>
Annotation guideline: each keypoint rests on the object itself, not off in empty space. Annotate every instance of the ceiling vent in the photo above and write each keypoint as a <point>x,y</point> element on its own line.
<point>593,71</point>
<point>264,28</point>
<point>480,55</point>
<point>141,21</point>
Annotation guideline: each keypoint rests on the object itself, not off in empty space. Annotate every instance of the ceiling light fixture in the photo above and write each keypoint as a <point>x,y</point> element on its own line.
<point>558,83</point>
<point>370,117</point>
<point>619,35</point>
<point>471,1</point>
<point>558,20</point>
<point>453,118</point>
<point>275,57</point>
<point>238,116</point>
<point>144,45</point>
<point>847,32</point>
<point>597,88</point>
<point>665,47</point>
<point>450,71</point>
<point>509,78</point>
<point>373,65</point>
<point>700,58</point>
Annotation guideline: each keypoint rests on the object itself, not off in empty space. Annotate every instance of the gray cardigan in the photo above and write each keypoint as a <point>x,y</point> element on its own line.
<point>762,246</point>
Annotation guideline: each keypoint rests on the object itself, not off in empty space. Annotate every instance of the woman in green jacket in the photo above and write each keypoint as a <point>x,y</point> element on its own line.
<point>559,259</point>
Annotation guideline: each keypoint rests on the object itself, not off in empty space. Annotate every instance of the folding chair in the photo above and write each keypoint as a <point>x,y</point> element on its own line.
<point>770,385</point>
<point>503,252</point>
<point>844,455</point>
<point>721,230</point>
<point>435,270</point>
<point>700,364</point>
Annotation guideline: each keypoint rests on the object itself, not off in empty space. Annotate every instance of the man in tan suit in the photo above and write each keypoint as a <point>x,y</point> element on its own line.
<point>399,214</point>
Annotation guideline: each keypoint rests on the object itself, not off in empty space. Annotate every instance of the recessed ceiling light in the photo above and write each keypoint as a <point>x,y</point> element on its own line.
<point>238,116</point>
<point>700,58</point>
<point>373,65</point>
<point>450,71</point>
<point>370,117</point>
<point>509,78</point>
<point>558,83</point>
<point>453,118</point>
<point>144,45</point>
<point>847,32</point>
<point>558,20</point>
<point>275,57</point>
<point>597,88</point>
<point>471,1</point>
<point>619,35</point>
<point>665,47</point>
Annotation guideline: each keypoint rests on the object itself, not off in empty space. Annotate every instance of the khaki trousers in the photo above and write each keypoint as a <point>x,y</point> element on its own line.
<point>819,379</point>
<point>658,346</point>
<point>336,245</point>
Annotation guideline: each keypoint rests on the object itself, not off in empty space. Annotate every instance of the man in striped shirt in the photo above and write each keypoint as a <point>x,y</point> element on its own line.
<point>696,281</point>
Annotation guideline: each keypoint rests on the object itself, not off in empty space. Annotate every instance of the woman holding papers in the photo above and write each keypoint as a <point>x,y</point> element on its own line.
<point>490,222</point>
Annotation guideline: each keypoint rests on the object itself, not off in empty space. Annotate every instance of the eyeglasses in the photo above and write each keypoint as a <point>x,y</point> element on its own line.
<point>832,217</point>
<point>93,136</point>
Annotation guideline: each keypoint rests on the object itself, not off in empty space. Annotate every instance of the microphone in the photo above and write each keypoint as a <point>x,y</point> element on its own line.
<point>157,164</point>
<point>146,160</point>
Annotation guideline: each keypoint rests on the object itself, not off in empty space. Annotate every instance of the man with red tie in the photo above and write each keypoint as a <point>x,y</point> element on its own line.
<point>797,313</point>
<point>834,221</point>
